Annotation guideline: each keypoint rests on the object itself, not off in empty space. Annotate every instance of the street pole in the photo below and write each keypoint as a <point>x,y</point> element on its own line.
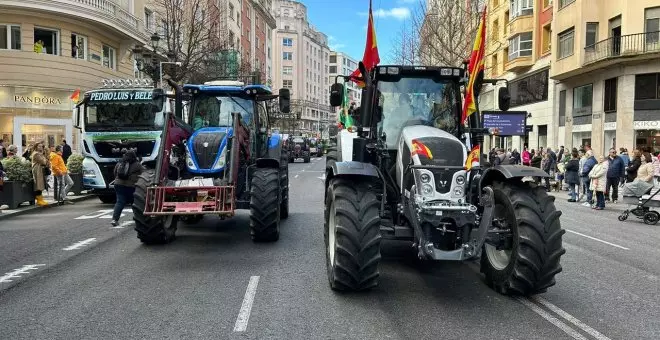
<point>160,70</point>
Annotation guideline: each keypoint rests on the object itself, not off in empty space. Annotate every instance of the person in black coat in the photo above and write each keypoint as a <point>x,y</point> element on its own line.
<point>635,163</point>
<point>572,176</point>
<point>66,151</point>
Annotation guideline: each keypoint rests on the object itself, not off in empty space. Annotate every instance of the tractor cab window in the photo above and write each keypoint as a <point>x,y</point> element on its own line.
<point>417,101</point>
<point>215,111</point>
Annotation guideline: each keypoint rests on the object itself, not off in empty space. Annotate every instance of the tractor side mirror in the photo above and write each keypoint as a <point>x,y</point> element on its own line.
<point>504,98</point>
<point>76,118</point>
<point>285,100</point>
<point>336,93</point>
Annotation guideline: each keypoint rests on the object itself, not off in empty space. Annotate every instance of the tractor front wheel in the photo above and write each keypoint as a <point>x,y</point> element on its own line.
<point>284,184</point>
<point>530,263</point>
<point>265,205</point>
<point>150,230</point>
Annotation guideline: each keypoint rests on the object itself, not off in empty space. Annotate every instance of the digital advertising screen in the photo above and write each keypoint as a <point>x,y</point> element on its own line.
<point>510,123</point>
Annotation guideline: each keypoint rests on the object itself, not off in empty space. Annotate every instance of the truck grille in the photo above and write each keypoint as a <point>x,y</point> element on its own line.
<point>115,149</point>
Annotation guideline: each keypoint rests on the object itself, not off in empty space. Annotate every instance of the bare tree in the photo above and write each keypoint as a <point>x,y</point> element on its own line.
<point>406,45</point>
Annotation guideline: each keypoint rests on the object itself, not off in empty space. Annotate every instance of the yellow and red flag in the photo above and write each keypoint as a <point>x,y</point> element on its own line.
<point>75,96</point>
<point>370,58</point>
<point>473,157</point>
<point>475,68</point>
<point>418,148</point>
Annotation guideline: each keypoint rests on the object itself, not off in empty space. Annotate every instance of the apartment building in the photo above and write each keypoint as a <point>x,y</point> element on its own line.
<point>518,49</point>
<point>48,49</point>
<point>257,25</point>
<point>605,64</point>
<point>300,64</point>
<point>342,64</point>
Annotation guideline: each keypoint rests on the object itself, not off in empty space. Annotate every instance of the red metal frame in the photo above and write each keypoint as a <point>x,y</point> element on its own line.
<point>217,200</point>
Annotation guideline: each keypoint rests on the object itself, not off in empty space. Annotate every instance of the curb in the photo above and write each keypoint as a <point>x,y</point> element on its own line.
<point>35,207</point>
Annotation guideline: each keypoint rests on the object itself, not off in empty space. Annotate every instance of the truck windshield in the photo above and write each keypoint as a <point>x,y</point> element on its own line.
<point>417,101</point>
<point>106,116</point>
<point>214,111</point>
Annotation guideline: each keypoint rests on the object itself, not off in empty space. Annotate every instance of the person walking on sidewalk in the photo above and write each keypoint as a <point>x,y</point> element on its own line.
<point>126,175</point>
<point>598,176</point>
<point>586,169</point>
<point>60,171</point>
<point>39,163</point>
<point>572,177</point>
<point>615,171</point>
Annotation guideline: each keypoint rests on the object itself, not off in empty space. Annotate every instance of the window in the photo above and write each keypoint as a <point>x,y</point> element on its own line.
<point>287,42</point>
<point>109,56</point>
<point>494,65</point>
<point>530,89</point>
<point>564,3</point>
<point>286,27</point>
<point>592,35</point>
<point>149,20</point>
<point>46,41</point>
<point>646,86</point>
<point>547,39</point>
<point>609,96</point>
<point>506,23</point>
<point>582,96</point>
<point>496,30</point>
<point>288,70</point>
<point>287,84</point>
<point>231,39</point>
<point>287,55</point>
<point>78,46</point>
<point>231,11</point>
<point>547,3</point>
<point>521,7</point>
<point>10,37</point>
<point>652,25</point>
<point>256,43</point>
<point>566,40</point>
<point>520,45</point>
<point>562,108</point>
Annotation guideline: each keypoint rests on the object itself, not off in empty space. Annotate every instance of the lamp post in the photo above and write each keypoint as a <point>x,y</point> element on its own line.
<point>148,60</point>
<point>160,69</point>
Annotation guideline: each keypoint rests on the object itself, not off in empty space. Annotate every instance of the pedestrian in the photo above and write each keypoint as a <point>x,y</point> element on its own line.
<point>126,175</point>
<point>623,153</point>
<point>656,168</point>
<point>598,176</point>
<point>39,164</point>
<point>546,165</point>
<point>560,154</point>
<point>12,150</point>
<point>633,166</point>
<point>3,151</point>
<point>615,171</point>
<point>536,161</point>
<point>66,151</point>
<point>526,157</point>
<point>582,189</point>
<point>586,170</point>
<point>28,152</point>
<point>572,177</point>
<point>61,172</point>
<point>645,171</point>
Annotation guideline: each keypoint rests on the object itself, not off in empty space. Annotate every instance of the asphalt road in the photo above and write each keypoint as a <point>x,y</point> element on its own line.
<point>66,274</point>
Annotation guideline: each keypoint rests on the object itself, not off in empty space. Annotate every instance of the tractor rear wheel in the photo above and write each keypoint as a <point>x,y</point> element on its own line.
<point>150,230</point>
<point>530,264</point>
<point>352,234</point>
<point>265,205</point>
<point>284,184</point>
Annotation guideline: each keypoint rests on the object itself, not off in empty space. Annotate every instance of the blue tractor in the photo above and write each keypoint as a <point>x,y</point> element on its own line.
<point>219,158</point>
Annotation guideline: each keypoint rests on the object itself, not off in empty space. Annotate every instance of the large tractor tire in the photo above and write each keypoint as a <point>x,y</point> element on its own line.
<point>529,266</point>
<point>265,205</point>
<point>108,198</point>
<point>307,159</point>
<point>352,234</point>
<point>284,184</point>
<point>150,230</point>
<point>332,156</point>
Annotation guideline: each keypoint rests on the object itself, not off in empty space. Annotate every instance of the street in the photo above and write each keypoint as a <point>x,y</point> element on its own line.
<point>65,273</point>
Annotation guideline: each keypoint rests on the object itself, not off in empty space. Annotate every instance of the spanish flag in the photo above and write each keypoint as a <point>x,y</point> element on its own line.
<point>75,96</point>
<point>473,157</point>
<point>475,69</point>
<point>370,57</point>
<point>420,149</point>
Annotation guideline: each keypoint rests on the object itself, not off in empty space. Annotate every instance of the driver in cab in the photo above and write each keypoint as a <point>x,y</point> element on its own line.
<point>201,118</point>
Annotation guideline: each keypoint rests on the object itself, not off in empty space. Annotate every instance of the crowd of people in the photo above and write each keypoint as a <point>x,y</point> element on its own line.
<point>594,179</point>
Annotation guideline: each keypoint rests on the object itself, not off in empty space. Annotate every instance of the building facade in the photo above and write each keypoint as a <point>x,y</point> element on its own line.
<point>606,66</point>
<point>342,64</point>
<point>257,25</point>
<point>300,64</point>
<point>49,49</point>
<point>518,49</point>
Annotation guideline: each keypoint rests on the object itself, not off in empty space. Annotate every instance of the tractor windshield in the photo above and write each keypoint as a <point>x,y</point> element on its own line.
<point>417,101</point>
<point>214,111</point>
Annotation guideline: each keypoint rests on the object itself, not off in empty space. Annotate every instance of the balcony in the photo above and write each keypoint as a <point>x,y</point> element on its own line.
<point>626,46</point>
<point>107,12</point>
<point>521,24</point>
<point>518,64</point>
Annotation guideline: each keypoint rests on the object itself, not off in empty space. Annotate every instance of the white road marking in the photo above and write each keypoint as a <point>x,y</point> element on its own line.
<point>558,323</point>
<point>296,176</point>
<point>597,239</point>
<point>104,214</point>
<point>80,244</point>
<point>570,318</point>
<point>246,308</point>
<point>123,224</point>
<point>16,273</point>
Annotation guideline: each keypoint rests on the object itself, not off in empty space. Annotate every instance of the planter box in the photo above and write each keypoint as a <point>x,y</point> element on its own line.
<point>16,193</point>
<point>77,187</point>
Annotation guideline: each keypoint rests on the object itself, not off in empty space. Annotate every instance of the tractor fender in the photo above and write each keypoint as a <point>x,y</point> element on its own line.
<point>351,168</point>
<point>274,154</point>
<point>507,172</point>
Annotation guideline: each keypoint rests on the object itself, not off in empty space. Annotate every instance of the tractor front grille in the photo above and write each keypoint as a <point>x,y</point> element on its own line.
<point>443,179</point>
<point>205,148</point>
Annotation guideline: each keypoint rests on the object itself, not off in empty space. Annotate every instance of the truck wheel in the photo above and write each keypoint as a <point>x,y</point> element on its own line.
<point>284,184</point>
<point>307,159</point>
<point>108,198</point>
<point>530,264</point>
<point>352,235</point>
<point>265,205</point>
<point>150,230</point>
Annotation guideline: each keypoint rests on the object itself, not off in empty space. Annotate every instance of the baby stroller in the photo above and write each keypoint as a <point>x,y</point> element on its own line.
<point>644,197</point>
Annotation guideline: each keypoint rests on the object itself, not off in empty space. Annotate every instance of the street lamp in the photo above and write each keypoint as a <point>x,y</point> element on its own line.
<point>147,60</point>
<point>160,72</point>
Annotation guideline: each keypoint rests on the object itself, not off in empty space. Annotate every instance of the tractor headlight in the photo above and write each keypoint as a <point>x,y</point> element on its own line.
<point>220,163</point>
<point>458,191</point>
<point>189,161</point>
<point>460,180</point>
<point>427,190</point>
<point>425,178</point>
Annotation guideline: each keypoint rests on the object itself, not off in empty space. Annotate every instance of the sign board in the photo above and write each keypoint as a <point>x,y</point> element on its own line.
<point>609,126</point>
<point>646,125</point>
<point>582,128</point>
<point>509,123</point>
<point>120,95</point>
<point>35,98</point>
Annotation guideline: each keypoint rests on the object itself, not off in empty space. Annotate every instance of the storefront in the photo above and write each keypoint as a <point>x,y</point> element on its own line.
<point>30,115</point>
<point>609,135</point>
<point>647,135</point>
<point>581,135</point>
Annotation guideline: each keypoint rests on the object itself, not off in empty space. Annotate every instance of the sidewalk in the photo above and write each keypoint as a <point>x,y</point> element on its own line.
<point>48,196</point>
